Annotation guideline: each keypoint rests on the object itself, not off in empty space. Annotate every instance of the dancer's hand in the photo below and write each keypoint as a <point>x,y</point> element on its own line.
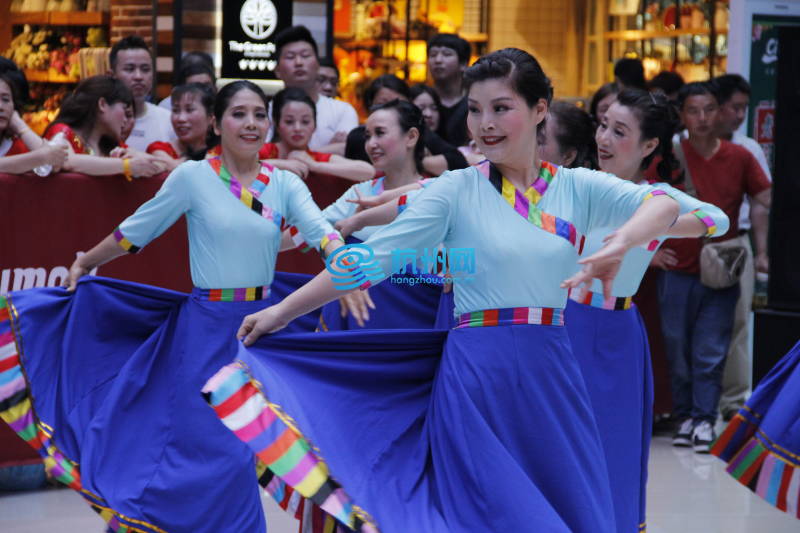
<point>448,285</point>
<point>253,326</point>
<point>347,226</point>
<point>365,202</point>
<point>76,272</point>
<point>603,265</point>
<point>357,303</point>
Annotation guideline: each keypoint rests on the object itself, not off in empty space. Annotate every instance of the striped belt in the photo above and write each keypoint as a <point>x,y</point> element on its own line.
<point>595,299</point>
<point>246,294</point>
<point>545,316</point>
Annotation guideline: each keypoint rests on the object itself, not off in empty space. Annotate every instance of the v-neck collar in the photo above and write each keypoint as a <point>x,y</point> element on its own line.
<point>249,196</point>
<point>517,199</point>
<point>524,203</point>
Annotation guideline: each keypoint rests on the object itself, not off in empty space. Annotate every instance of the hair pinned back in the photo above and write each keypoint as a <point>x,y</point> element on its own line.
<point>574,129</point>
<point>408,116</point>
<point>658,119</point>
<point>521,69</point>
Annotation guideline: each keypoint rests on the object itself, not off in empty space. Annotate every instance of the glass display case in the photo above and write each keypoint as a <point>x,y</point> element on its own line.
<point>689,37</point>
<point>374,37</point>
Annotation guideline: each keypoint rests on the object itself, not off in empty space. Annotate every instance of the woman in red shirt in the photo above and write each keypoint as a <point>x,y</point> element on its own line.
<point>92,120</point>
<point>193,122</point>
<point>328,176</point>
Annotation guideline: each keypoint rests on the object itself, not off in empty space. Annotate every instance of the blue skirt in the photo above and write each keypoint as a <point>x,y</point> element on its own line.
<point>473,429</point>
<point>401,302</point>
<point>445,314</point>
<point>612,350</point>
<point>398,305</point>
<point>105,384</point>
<point>761,445</point>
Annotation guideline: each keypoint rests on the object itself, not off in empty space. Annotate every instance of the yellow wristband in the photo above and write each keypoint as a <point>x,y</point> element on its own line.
<point>126,169</point>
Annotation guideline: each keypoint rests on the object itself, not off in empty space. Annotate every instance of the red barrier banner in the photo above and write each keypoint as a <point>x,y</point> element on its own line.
<point>47,221</point>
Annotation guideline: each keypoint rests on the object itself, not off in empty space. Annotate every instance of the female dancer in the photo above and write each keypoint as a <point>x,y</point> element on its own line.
<point>607,334</point>
<point>105,382</point>
<point>92,120</point>
<point>438,156</point>
<point>193,122</point>
<point>568,137</point>
<point>761,445</point>
<point>495,433</point>
<point>394,131</point>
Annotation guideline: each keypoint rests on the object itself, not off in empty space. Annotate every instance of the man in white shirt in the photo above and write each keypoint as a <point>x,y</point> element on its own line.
<point>298,66</point>
<point>733,93</point>
<point>132,64</point>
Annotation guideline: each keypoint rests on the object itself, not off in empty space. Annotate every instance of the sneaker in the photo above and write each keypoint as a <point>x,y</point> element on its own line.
<point>703,437</point>
<point>683,437</point>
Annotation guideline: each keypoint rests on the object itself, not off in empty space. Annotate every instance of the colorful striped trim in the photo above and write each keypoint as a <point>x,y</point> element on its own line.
<point>654,193</point>
<point>16,409</point>
<point>525,203</point>
<point>594,299</point>
<point>246,294</point>
<point>543,316</point>
<point>297,239</point>
<point>707,220</point>
<point>760,464</point>
<point>643,527</point>
<point>402,203</point>
<point>520,200</point>
<point>242,405</point>
<point>654,244</point>
<point>249,196</point>
<point>547,173</point>
<point>126,245</point>
<point>329,238</point>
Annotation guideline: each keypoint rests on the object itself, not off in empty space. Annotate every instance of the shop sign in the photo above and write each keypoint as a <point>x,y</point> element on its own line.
<point>763,80</point>
<point>248,32</point>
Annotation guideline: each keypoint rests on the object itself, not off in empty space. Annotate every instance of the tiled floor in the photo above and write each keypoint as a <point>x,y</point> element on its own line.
<point>688,493</point>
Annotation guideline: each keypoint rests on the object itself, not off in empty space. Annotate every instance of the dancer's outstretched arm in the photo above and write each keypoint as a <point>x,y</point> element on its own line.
<point>651,220</point>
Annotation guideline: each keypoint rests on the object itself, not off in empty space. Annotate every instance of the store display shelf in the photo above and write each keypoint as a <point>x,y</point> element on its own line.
<point>476,37</point>
<point>66,18</point>
<point>643,35</point>
<point>46,76</point>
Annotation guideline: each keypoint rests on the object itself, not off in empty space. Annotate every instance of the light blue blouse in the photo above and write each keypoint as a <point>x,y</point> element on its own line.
<point>636,261</point>
<point>230,245</point>
<point>516,264</point>
<point>341,208</point>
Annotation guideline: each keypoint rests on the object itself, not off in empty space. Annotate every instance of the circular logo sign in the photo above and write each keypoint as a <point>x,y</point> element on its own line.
<point>258,18</point>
